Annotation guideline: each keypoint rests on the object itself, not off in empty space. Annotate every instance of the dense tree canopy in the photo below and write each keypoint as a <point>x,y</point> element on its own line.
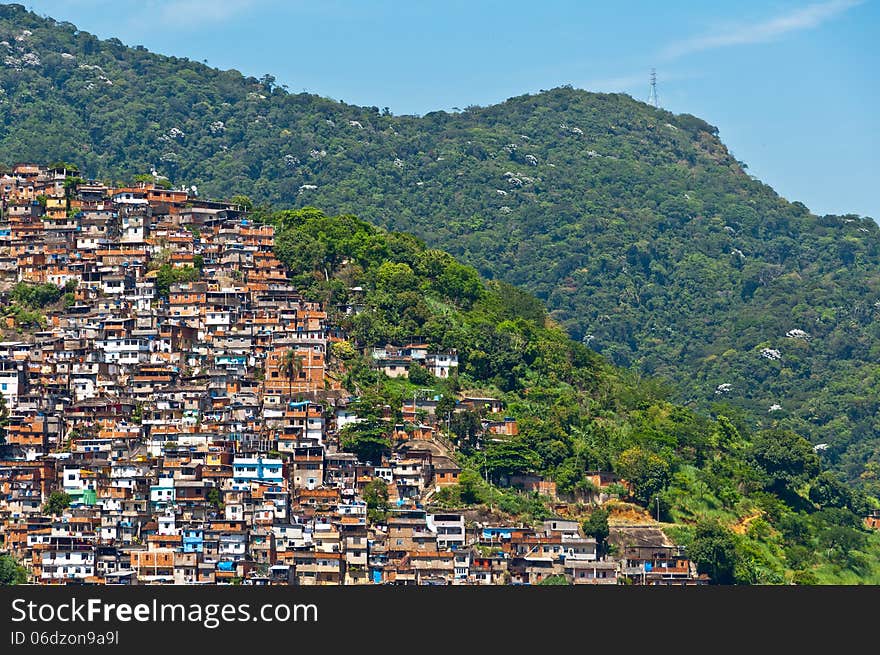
<point>58,501</point>
<point>647,472</point>
<point>575,413</point>
<point>786,457</point>
<point>713,548</point>
<point>11,572</point>
<point>596,526</point>
<point>644,235</point>
<point>368,440</point>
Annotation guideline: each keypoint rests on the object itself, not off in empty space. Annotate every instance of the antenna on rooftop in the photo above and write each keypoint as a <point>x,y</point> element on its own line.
<point>653,99</point>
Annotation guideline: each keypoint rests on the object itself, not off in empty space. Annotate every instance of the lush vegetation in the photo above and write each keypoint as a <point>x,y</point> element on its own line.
<point>646,238</point>
<point>25,302</point>
<point>596,526</point>
<point>166,275</point>
<point>376,498</point>
<point>39,295</point>
<point>57,502</point>
<point>755,506</point>
<point>554,580</point>
<point>11,572</point>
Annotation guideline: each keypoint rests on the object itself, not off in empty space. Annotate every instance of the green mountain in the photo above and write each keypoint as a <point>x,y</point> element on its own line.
<point>648,241</point>
<point>752,506</point>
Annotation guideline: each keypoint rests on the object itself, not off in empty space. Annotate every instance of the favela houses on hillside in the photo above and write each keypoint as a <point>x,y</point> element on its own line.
<point>172,410</point>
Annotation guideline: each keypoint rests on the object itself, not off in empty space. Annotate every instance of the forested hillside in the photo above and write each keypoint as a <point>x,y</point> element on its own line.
<point>752,506</point>
<point>647,239</point>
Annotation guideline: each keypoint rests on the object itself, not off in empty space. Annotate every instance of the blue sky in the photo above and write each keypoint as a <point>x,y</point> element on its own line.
<point>792,86</point>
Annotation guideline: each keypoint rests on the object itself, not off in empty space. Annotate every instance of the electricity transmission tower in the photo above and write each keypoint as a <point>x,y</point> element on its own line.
<point>654,99</point>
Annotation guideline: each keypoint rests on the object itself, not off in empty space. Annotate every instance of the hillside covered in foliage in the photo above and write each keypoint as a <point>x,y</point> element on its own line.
<point>752,506</point>
<point>646,238</point>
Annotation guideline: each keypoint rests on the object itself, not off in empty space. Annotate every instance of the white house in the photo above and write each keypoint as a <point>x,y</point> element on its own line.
<point>441,364</point>
<point>12,381</point>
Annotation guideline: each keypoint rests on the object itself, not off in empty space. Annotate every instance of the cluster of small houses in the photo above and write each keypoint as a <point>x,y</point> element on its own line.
<point>189,448</point>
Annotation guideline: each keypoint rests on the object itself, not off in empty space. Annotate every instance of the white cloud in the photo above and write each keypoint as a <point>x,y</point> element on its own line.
<point>800,19</point>
<point>803,18</point>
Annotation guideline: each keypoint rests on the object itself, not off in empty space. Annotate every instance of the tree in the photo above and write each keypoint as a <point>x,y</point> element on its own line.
<point>367,440</point>
<point>583,447</point>
<point>466,426</point>
<point>370,406</point>
<point>376,494</point>
<point>726,434</point>
<point>242,201</point>
<point>149,178</point>
<point>446,405</point>
<point>517,303</point>
<point>616,489</point>
<point>713,548</point>
<point>469,484</point>
<point>70,184</point>
<point>167,275</point>
<point>420,375</point>
<point>509,457</point>
<point>11,572</point>
<point>57,503</point>
<point>596,526</point>
<point>215,498</point>
<point>805,578</point>
<point>343,350</point>
<point>291,368</point>
<point>36,295</point>
<point>459,283</point>
<point>787,458</point>
<point>63,165</point>
<point>647,473</point>
<point>828,491</point>
<point>840,542</point>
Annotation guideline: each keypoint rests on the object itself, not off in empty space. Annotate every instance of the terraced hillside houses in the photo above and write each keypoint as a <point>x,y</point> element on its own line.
<point>171,413</point>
